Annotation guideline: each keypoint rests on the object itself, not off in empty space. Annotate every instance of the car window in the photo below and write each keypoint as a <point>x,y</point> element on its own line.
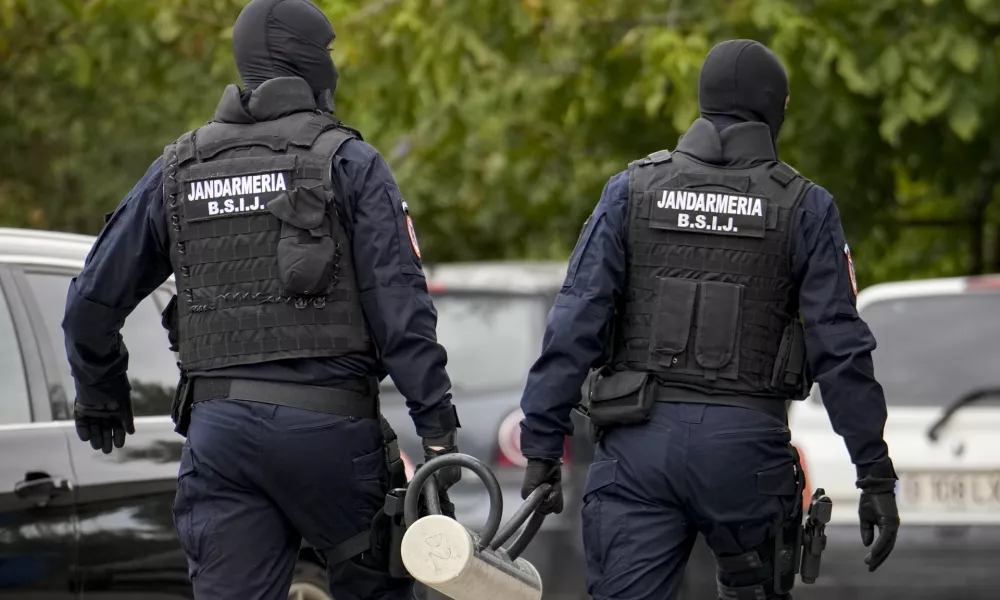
<point>931,350</point>
<point>491,339</point>
<point>152,367</point>
<point>15,405</point>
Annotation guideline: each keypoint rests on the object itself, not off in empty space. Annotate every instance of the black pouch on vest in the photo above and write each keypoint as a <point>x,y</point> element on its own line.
<point>307,253</point>
<point>696,328</point>
<point>717,340</point>
<point>620,398</point>
<point>671,322</point>
<point>789,375</point>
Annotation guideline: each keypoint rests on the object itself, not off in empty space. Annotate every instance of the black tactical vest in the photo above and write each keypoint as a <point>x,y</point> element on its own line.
<point>711,305</point>
<point>262,262</point>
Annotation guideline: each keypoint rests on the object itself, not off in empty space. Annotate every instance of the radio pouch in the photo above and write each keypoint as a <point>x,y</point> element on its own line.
<point>307,253</point>
<point>620,398</point>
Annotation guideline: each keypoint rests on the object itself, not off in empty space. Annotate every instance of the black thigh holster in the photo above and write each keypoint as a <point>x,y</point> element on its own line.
<point>380,546</point>
<point>768,571</point>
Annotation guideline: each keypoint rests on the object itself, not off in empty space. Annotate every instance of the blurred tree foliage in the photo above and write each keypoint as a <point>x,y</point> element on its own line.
<point>503,119</point>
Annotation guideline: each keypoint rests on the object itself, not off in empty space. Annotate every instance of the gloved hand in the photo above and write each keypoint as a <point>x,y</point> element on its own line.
<point>878,509</point>
<point>104,426</point>
<point>541,471</point>
<point>445,477</point>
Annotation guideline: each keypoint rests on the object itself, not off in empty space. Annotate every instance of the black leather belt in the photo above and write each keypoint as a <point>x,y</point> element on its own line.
<point>774,407</point>
<point>352,399</point>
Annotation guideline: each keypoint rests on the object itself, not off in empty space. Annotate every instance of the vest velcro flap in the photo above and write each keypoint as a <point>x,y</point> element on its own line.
<point>671,321</point>
<point>304,207</point>
<point>620,398</point>
<point>231,167</point>
<point>718,328</point>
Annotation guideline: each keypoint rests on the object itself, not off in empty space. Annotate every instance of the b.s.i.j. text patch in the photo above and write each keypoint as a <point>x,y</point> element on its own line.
<point>709,212</point>
<point>232,196</point>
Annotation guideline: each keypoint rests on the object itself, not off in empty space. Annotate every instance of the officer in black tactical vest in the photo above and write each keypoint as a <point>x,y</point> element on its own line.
<point>299,284</point>
<point>710,286</point>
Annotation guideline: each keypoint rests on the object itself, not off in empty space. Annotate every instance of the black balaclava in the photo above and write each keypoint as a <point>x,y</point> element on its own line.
<point>284,38</point>
<point>741,81</point>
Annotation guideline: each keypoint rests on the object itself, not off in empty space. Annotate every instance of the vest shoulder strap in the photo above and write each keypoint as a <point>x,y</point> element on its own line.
<point>306,136</point>
<point>185,146</point>
<point>329,141</point>
<point>350,130</point>
<point>783,174</point>
<point>658,157</point>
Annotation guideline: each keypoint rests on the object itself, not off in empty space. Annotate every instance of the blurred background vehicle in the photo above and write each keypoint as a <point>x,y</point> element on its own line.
<point>938,360</point>
<point>75,523</point>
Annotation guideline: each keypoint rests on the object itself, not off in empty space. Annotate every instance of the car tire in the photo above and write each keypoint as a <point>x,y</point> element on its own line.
<point>309,583</point>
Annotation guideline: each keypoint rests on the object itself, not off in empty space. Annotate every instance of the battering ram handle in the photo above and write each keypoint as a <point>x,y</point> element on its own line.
<point>423,477</point>
<point>525,512</point>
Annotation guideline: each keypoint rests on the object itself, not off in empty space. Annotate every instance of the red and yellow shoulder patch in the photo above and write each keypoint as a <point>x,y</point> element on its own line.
<point>850,269</point>
<point>413,237</point>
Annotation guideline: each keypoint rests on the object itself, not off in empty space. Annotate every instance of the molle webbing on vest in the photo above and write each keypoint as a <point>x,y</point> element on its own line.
<point>257,284</point>
<point>710,295</point>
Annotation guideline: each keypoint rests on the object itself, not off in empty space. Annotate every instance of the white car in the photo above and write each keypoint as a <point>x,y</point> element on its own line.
<point>938,360</point>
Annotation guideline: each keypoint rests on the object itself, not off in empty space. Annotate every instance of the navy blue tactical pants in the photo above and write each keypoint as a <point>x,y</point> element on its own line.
<point>255,479</point>
<point>725,472</point>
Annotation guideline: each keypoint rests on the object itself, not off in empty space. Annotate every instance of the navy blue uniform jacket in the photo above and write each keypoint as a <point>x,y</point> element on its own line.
<point>131,258</point>
<point>838,342</point>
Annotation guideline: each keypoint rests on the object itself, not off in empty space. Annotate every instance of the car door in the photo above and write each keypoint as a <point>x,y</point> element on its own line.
<point>37,525</point>
<point>128,545</point>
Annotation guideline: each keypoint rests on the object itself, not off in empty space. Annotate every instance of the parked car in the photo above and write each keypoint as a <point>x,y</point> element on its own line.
<point>938,360</point>
<point>76,523</point>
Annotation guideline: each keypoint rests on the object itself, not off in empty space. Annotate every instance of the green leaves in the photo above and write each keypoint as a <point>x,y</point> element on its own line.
<point>503,120</point>
<point>964,120</point>
<point>965,54</point>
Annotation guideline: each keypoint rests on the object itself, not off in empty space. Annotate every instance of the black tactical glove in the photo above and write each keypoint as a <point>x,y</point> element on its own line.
<point>544,470</point>
<point>105,426</point>
<point>445,477</point>
<point>877,508</point>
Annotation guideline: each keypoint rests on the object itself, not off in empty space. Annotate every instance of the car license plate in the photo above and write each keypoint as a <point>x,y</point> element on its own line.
<point>958,491</point>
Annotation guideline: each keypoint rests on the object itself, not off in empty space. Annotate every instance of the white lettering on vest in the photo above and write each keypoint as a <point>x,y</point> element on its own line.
<point>234,187</point>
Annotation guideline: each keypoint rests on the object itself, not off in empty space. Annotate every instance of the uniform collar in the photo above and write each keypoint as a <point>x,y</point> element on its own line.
<point>273,99</point>
<point>739,145</point>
